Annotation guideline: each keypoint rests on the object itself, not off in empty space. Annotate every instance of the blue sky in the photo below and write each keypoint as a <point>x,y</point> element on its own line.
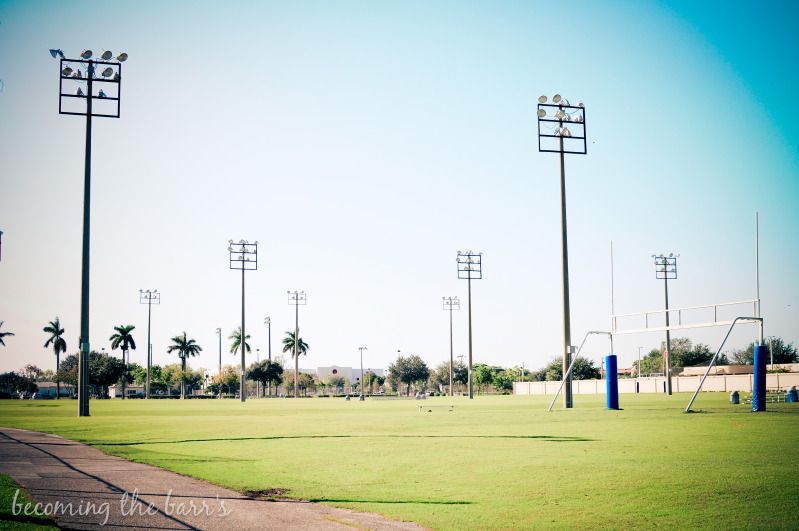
<point>363,144</point>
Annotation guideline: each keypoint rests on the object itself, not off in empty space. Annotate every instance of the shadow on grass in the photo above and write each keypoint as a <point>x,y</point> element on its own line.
<point>548,438</point>
<point>19,520</point>
<point>421,502</point>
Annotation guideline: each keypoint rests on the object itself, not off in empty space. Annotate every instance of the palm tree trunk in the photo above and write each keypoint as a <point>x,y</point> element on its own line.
<point>57,383</point>
<point>124,372</point>
<point>183,378</point>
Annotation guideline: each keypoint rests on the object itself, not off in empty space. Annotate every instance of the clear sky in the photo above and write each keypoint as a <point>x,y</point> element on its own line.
<point>364,143</point>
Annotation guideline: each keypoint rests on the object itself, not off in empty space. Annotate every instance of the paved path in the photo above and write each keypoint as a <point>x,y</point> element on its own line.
<point>53,469</point>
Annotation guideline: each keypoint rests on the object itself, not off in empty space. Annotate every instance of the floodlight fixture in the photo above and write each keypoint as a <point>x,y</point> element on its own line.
<point>66,71</point>
<point>542,113</point>
<point>580,104</point>
<point>122,57</point>
<point>108,72</point>
<point>56,53</point>
<point>556,98</point>
<point>107,55</point>
<point>542,99</point>
<point>80,92</point>
<point>102,94</point>
<point>86,54</point>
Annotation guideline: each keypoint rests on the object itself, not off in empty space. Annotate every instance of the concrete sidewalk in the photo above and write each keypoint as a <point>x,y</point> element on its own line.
<point>95,491</point>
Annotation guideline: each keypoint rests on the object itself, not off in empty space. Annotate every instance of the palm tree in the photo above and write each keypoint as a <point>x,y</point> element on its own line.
<point>185,348</point>
<point>122,338</point>
<point>59,345</point>
<point>302,348</point>
<point>4,334</point>
<point>235,336</point>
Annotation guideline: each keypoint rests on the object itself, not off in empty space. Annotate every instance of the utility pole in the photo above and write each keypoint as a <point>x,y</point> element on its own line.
<point>470,266</point>
<point>450,304</point>
<point>244,257</point>
<point>361,349</point>
<point>149,298</point>
<point>297,298</point>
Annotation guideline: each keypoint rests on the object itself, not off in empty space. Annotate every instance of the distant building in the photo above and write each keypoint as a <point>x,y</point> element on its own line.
<point>348,373</point>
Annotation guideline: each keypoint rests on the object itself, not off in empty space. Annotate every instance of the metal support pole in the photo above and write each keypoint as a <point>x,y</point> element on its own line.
<point>451,352</point>
<point>149,350</point>
<point>362,380</point>
<point>667,357</point>
<point>242,345</point>
<point>471,376</point>
<point>296,345</point>
<point>83,362</point>
<point>567,392</point>
<point>269,329</point>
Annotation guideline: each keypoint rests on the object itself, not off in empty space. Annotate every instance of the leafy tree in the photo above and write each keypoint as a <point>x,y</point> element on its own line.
<point>409,370</point>
<point>307,382</point>
<point>503,380</point>
<point>104,370</point>
<point>228,380</point>
<point>184,348</point>
<point>266,372</point>
<point>28,376</point>
<point>439,377</point>
<point>584,369</point>
<point>4,334</point>
<point>782,352</point>
<point>68,370</point>
<point>301,348</point>
<point>235,337</point>
<point>124,340</point>
<point>372,379</point>
<point>137,373</point>
<point>482,375</point>
<point>59,345</point>
<point>336,382</point>
<point>460,373</point>
<point>9,382</point>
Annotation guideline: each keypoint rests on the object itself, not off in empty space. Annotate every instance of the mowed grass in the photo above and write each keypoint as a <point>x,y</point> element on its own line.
<point>498,462</point>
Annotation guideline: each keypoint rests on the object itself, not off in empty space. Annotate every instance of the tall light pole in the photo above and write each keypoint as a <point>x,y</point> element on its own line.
<point>361,349</point>
<point>555,137</point>
<point>149,298</point>
<point>257,382</point>
<point>297,298</point>
<point>78,74</point>
<point>219,333</point>
<point>244,257</point>
<point>666,269</point>
<point>450,304</point>
<point>268,323</point>
<point>470,266</point>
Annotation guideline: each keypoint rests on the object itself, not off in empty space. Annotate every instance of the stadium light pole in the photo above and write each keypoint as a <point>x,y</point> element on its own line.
<point>450,304</point>
<point>219,333</point>
<point>470,266</point>
<point>149,297</point>
<point>244,257</point>
<point>268,323</point>
<point>666,269</point>
<point>297,298</point>
<point>555,137</point>
<point>361,349</point>
<point>80,103</point>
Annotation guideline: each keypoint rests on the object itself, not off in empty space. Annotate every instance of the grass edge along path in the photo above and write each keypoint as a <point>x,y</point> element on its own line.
<point>12,494</point>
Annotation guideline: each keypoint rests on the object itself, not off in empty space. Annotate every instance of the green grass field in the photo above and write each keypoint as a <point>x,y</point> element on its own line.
<point>11,493</point>
<point>495,462</point>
